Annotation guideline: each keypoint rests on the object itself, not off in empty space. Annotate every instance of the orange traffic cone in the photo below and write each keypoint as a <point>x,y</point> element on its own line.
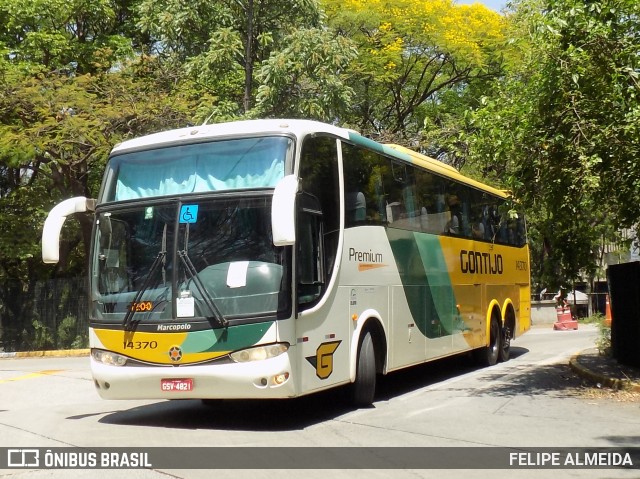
<point>608,317</point>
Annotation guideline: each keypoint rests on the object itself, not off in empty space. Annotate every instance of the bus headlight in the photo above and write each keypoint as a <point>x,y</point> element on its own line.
<point>108,357</point>
<point>259,353</point>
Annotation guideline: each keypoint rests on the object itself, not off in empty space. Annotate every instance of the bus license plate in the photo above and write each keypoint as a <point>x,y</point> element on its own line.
<point>176,385</point>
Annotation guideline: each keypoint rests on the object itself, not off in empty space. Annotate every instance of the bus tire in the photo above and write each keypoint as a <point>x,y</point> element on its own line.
<point>505,345</point>
<point>364,386</point>
<point>488,356</point>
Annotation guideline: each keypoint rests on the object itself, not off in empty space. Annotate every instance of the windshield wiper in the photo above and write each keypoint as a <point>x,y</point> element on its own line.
<point>147,281</point>
<point>206,297</point>
<point>160,258</point>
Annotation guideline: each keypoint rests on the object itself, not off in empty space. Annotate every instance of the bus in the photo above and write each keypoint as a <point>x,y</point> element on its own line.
<point>278,258</point>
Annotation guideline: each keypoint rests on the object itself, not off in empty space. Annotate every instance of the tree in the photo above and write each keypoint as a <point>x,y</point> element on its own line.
<point>222,42</point>
<point>70,88</point>
<point>66,36</point>
<point>562,128</point>
<point>56,133</point>
<point>308,78</point>
<point>411,54</point>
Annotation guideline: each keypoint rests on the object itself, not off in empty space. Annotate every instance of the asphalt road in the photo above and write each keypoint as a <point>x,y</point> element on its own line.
<point>534,400</point>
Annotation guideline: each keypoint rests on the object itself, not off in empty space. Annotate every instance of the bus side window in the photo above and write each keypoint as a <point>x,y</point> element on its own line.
<point>310,250</point>
<point>364,193</point>
<point>318,217</point>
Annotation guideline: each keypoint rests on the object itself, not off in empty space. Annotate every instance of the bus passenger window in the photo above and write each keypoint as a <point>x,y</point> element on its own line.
<point>310,250</point>
<point>364,192</point>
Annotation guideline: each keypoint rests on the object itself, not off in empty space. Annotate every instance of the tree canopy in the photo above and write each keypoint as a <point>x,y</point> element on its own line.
<point>561,128</point>
<point>411,54</point>
<point>541,99</point>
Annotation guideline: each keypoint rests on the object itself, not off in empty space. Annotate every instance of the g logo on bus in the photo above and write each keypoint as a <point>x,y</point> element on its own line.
<point>323,360</point>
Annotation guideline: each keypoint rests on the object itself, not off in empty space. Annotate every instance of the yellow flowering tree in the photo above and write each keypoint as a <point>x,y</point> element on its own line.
<point>412,53</point>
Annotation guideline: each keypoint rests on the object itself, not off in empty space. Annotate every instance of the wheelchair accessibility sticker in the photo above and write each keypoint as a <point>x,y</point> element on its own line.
<point>189,214</point>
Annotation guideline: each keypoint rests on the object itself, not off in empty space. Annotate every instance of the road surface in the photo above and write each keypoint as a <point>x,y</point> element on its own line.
<point>534,400</point>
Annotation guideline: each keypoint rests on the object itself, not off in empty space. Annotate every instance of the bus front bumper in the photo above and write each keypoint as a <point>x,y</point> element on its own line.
<point>269,378</point>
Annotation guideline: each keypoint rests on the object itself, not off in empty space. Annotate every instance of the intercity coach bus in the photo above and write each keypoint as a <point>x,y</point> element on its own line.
<point>276,258</point>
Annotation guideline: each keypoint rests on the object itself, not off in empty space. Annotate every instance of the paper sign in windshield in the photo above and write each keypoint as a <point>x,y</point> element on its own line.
<point>237,274</point>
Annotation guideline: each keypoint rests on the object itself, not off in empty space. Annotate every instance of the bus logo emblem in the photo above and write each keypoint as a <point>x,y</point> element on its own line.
<point>175,354</point>
<point>323,360</point>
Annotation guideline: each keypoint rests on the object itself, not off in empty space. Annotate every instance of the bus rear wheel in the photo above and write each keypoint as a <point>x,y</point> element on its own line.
<point>505,344</point>
<point>364,387</point>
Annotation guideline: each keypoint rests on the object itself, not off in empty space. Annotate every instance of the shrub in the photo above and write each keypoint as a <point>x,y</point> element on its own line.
<point>603,343</point>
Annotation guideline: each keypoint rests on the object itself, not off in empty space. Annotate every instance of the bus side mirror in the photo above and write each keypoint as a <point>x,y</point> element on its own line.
<point>283,211</point>
<point>55,220</point>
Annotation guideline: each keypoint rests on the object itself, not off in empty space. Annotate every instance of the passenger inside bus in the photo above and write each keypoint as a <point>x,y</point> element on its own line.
<point>453,226</point>
<point>356,206</point>
<point>477,229</point>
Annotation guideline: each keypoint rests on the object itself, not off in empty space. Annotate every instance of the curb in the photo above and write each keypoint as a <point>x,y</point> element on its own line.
<point>614,383</point>
<point>65,353</point>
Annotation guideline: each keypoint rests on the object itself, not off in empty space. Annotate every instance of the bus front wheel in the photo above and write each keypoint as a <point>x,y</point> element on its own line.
<point>364,387</point>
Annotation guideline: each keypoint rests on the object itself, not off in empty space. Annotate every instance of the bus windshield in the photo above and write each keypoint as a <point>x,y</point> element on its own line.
<point>197,167</point>
<point>203,258</point>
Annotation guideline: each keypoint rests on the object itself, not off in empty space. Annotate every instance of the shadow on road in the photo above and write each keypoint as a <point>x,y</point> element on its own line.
<point>551,380</point>
<point>236,415</point>
<point>411,379</point>
<point>299,413</point>
<point>622,441</point>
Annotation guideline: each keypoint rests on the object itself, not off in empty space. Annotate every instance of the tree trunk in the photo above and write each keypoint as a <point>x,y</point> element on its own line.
<point>248,60</point>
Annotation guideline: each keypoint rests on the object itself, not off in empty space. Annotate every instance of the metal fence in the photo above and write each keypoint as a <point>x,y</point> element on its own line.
<point>43,315</point>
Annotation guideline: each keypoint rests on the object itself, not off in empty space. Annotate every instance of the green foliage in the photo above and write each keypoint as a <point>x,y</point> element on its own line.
<point>40,315</point>
<point>603,342</point>
<point>70,336</point>
<point>55,136</point>
<point>542,101</point>
<point>221,44</point>
<point>74,36</point>
<point>307,78</point>
<point>414,57</point>
<point>41,338</point>
<point>561,129</point>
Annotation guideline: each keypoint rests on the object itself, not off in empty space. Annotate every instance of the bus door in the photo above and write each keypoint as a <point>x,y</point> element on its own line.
<point>322,324</point>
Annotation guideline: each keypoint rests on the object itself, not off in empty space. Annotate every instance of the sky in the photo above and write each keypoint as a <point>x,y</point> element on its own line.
<point>496,5</point>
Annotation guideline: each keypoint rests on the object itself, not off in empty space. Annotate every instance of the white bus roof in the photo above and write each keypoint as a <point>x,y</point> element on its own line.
<point>296,127</point>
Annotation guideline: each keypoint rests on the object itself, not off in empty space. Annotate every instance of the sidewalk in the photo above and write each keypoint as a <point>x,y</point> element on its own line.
<point>591,365</point>
<point>63,353</point>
